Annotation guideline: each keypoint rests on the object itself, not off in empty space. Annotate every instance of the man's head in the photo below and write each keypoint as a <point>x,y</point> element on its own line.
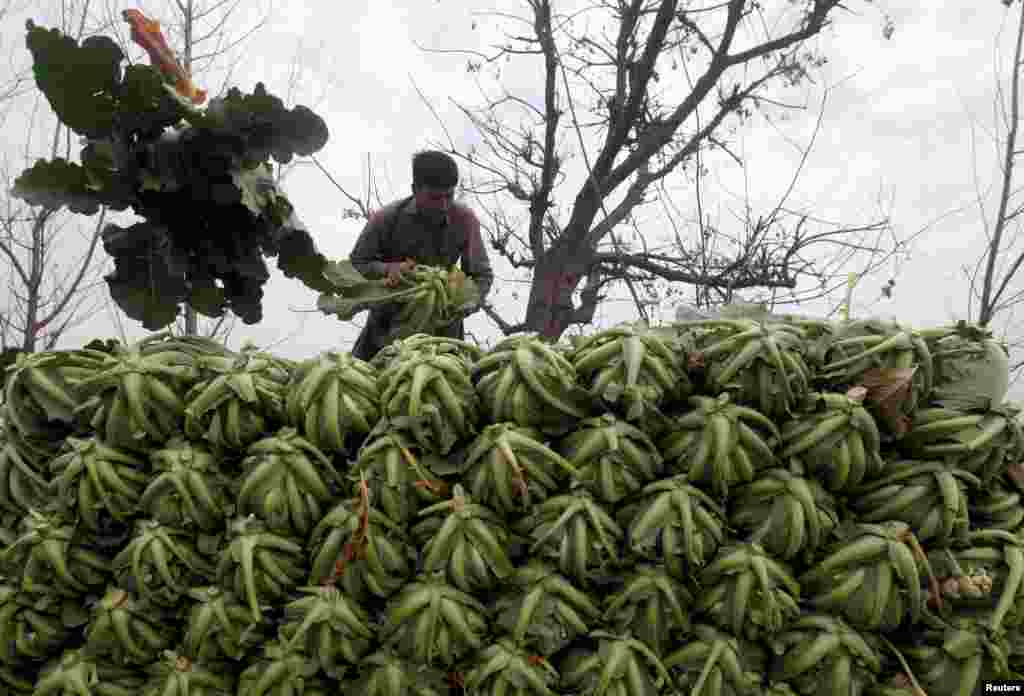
<point>434,178</point>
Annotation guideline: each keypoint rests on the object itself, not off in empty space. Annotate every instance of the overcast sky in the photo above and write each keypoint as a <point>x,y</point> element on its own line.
<point>896,133</point>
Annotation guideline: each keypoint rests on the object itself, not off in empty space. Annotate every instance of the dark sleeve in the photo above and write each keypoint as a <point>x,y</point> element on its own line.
<point>368,254</point>
<point>475,261</point>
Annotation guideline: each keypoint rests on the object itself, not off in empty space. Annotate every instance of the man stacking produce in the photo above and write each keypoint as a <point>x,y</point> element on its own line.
<point>427,228</point>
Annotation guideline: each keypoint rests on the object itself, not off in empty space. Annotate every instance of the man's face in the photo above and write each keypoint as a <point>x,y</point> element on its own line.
<point>433,202</point>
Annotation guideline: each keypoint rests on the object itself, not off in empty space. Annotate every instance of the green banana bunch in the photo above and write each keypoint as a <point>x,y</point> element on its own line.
<point>177,675</point>
<point>161,563</point>
<point>434,392</point>
<point>931,497</point>
<point>333,398</point>
<point>259,565</point>
<point>363,550</point>
<point>540,609</point>
<point>870,576</point>
<point>673,522</point>
<point>618,666</point>
<point>611,457</point>
<point>92,478</point>
<point>953,657</point>
<point>332,628</point>
<point>719,443</point>
<point>987,573</point>
<point>748,592</point>
<point>386,674</point>
<point>504,669</point>
<point>40,392</point>
<point>33,627</point>
<point>76,673</point>
<point>402,477</point>
<point>790,515</point>
<point>465,541</point>
<point>822,654</point>
<point>36,451</point>
<point>285,483</point>
<point>713,663</point>
<point>51,555</point>
<point>835,439</point>
<point>280,671</point>
<point>861,351</point>
<point>433,623</point>
<point>136,398</point>
<point>575,533</point>
<point>189,487</point>
<point>239,398</point>
<point>508,468</point>
<point>430,299</point>
<point>524,380</point>
<point>633,370</point>
<point>128,631</point>
<point>979,442</point>
<point>652,606</point>
<point>761,362</point>
<point>178,350</point>
<point>465,351</point>
<point>996,506</point>
<point>22,486</point>
<point>220,627</point>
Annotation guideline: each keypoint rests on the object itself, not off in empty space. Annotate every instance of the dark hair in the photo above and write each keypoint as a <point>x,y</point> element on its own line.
<point>435,169</point>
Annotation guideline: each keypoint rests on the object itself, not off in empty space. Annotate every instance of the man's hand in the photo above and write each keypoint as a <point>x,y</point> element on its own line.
<point>395,269</point>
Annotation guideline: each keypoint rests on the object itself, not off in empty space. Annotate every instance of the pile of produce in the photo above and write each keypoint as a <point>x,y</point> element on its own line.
<point>713,508</point>
<point>426,299</point>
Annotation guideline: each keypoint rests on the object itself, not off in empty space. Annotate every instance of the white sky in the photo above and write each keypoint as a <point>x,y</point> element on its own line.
<point>897,128</point>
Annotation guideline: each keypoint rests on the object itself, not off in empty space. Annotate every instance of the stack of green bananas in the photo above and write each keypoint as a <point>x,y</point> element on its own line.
<point>835,439</point>
<point>635,370</point>
<point>719,443</point>
<point>716,508</point>
<point>41,392</point>
<point>524,380</point>
<point>136,398</point>
<point>427,298</point>
<point>435,297</point>
<point>981,442</point>
<point>237,399</point>
<point>763,363</point>
<point>286,483</point>
<point>509,468</point>
<point>611,457</point>
<point>864,350</point>
<point>331,398</point>
<point>431,391</point>
<point>789,514</point>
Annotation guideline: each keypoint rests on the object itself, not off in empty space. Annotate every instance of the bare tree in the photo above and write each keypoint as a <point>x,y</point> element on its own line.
<point>210,40</point>
<point>49,285</point>
<point>638,92</point>
<point>994,291</point>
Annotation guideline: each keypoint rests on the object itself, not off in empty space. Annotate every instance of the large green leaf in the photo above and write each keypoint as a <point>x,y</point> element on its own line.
<point>56,183</point>
<point>270,129</point>
<point>148,282</point>
<point>79,81</point>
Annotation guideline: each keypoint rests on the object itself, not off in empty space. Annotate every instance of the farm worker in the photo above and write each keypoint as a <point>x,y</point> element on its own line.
<point>428,228</point>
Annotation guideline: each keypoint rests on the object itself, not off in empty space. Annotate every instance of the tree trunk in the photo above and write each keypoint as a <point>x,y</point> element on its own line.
<point>555,277</point>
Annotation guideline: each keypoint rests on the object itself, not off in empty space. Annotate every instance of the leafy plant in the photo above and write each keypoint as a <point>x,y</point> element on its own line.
<point>200,179</point>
